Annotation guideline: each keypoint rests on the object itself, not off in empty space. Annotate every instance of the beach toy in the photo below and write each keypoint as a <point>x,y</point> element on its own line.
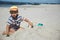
<point>39,24</point>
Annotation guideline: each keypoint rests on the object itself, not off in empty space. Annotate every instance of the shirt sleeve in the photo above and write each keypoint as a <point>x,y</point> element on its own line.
<point>9,22</point>
<point>20,18</point>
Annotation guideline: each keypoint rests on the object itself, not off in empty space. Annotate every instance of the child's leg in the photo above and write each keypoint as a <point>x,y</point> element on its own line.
<point>4,33</point>
<point>10,32</point>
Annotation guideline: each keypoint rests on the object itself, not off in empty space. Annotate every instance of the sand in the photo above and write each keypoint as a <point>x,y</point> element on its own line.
<point>48,15</point>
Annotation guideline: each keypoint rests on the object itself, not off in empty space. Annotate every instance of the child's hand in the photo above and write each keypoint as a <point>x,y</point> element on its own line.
<point>30,26</point>
<point>7,35</point>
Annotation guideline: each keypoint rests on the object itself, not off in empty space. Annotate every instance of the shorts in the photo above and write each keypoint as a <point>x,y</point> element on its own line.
<point>14,27</point>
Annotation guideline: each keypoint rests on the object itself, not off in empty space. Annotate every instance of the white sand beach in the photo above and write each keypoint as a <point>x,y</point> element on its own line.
<point>47,14</point>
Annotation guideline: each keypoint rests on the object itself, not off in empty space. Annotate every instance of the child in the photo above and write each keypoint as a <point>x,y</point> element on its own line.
<point>13,23</point>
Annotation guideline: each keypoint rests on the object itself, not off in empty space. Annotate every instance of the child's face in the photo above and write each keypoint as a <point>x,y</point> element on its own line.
<point>14,12</point>
<point>14,15</point>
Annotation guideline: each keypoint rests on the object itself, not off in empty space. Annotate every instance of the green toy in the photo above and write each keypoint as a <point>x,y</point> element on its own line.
<point>39,24</point>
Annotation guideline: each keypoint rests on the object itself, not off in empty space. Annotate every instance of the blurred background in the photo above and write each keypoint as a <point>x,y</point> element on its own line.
<point>31,2</point>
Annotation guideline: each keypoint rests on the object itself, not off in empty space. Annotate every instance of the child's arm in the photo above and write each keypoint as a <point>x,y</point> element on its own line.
<point>29,22</point>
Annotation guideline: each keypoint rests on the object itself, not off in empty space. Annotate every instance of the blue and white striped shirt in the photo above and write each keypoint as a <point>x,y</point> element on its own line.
<point>17,22</point>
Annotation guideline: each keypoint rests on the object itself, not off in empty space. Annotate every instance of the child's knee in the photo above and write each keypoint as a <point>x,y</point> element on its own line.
<point>4,33</point>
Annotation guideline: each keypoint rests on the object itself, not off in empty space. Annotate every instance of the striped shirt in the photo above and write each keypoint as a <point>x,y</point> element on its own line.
<point>17,22</point>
